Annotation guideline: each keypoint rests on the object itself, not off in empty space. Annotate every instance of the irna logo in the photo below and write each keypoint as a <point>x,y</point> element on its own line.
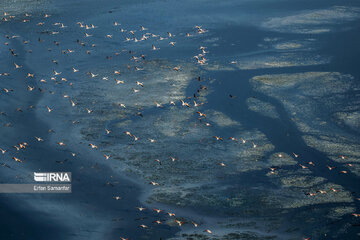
<point>52,177</point>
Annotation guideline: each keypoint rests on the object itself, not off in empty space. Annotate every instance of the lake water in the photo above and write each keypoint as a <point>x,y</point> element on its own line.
<point>276,154</point>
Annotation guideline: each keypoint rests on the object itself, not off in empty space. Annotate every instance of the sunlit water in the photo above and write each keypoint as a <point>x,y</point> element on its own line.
<point>280,78</point>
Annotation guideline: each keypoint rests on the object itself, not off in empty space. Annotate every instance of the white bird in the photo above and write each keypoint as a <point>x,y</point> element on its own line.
<point>3,151</point>
<point>158,105</point>
<point>180,223</point>
<point>184,103</point>
<point>93,75</point>
<point>171,214</point>
<point>119,81</point>
<point>93,146</point>
<point>39,139</point>
<point>141,209</point>
<point>17,66</point>
<point>153,183</point>
<point>197,104</point>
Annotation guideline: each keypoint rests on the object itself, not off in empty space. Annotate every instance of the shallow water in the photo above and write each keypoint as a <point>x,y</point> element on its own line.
<point>282,77</point>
